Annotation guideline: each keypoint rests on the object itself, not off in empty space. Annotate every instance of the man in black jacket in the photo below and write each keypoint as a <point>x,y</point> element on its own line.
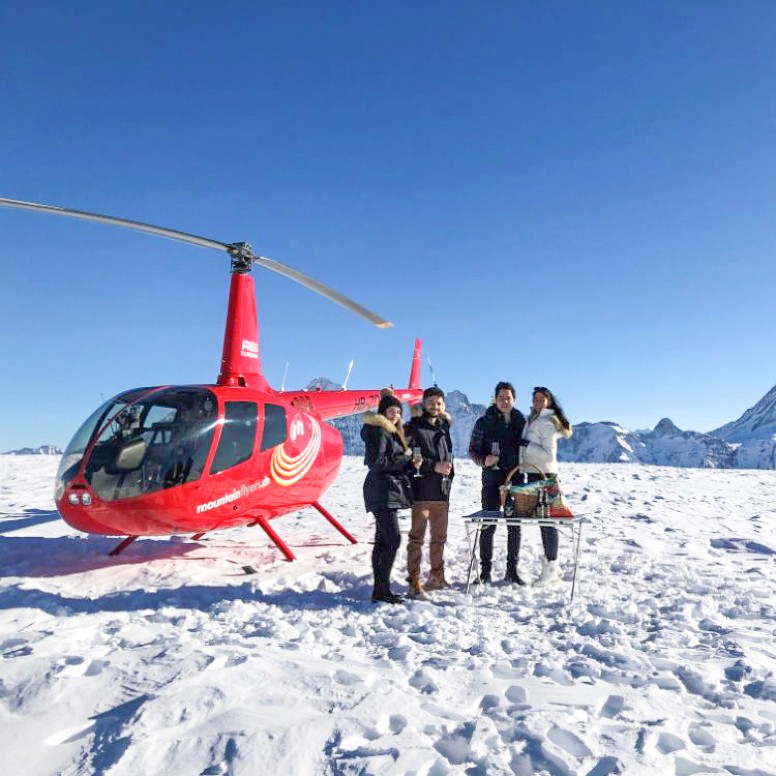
<point>502,425</point>
<point>429,434</point>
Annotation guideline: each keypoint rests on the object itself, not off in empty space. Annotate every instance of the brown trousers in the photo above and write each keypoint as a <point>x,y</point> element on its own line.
<point>435,514</point>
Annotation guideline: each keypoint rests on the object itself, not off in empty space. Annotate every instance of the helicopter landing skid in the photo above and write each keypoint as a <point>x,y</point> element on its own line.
<point>121,546</point>
<point>284,548</point>
<point>279,543</point>
<point>264,523</point>
<point>334,522</point>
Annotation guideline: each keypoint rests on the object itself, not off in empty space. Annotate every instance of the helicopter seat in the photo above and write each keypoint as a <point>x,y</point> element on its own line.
<point>171,450</point>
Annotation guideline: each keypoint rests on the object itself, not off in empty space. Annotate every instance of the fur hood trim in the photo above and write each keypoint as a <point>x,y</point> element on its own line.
<point>376,419</point>
<point>564,432</point>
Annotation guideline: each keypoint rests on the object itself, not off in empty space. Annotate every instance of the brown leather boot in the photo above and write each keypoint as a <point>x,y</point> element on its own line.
<point>416,590</point>
<point>436,581</point>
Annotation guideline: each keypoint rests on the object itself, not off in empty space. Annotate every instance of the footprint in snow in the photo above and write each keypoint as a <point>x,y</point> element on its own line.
<point>701,736</point>
<point>423,683</point>
<point>516,694</point>
<point>668,743</point>
<point>347,678</point>
<point>612,707</point>
<point>741,545</point>
<point>77,667</point>
<point>569,741</point>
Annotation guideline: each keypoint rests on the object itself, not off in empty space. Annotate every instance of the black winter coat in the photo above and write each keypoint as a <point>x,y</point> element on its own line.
<point>490,428</point>
<point>435,445</point>
<point>387,484</point>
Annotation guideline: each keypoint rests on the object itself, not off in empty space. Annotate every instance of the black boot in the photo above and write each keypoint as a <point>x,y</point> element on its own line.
<point>382,593</point>
<point>512,576</point>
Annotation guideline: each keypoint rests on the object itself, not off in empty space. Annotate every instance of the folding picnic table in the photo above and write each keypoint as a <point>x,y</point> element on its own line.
<point>484,517</point>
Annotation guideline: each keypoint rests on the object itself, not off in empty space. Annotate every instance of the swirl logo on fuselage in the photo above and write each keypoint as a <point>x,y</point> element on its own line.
<point>288,467</point>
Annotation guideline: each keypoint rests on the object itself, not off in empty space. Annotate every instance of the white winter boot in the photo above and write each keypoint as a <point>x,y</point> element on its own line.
<point>550,574</point>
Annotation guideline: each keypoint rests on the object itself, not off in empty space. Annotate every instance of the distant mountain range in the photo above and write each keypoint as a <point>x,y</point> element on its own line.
<point>746,443</point>
<point>42,450</point>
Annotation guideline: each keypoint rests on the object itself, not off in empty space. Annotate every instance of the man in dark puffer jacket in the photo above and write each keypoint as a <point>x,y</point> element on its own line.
<point>501,424</point>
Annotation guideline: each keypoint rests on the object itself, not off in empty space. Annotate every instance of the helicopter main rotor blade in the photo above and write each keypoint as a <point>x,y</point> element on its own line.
<point>241,250</point>
<point>160,231</point>
<point>320,288</point>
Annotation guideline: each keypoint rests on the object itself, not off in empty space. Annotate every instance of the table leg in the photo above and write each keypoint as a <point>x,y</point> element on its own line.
<point>472,556</point>
<point>576,561</point>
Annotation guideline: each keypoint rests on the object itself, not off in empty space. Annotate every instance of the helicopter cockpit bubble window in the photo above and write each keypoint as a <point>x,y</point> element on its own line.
<point>275,427</point>
<point>74,453</point>
<point>237,435</point>
<point>158,441</point>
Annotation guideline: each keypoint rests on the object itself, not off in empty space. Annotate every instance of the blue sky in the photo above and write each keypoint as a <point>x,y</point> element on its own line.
<point>578,195</point>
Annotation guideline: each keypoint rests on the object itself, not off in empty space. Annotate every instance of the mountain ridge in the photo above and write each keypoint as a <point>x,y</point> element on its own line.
<point>746,443</point>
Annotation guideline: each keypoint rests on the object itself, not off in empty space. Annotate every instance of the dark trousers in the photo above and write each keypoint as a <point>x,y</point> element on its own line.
<point>549,534</point>
<point>491,499</point>
<point>550,542</point>
<point>387,540</point>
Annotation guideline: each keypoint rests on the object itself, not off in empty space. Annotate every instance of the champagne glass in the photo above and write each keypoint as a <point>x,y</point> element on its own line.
<point>495,449</point>
<point>417,460</point>
<point>445,457</point>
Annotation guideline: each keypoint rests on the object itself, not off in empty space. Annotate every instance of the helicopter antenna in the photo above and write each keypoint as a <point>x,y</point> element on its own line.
<point>431,368</point>
<point>285,374</point>
<point>242,253</point>
<point>347,376</point>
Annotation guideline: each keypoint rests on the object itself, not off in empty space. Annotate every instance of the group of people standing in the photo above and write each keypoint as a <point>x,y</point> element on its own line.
<point>411,465</point>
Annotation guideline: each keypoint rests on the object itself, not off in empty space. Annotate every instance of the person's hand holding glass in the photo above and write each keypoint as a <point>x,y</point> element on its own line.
<point>491,459</point>
<point>417,461</point>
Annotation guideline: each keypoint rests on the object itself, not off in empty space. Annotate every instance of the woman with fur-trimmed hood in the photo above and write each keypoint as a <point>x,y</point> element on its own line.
<point>387,487</point>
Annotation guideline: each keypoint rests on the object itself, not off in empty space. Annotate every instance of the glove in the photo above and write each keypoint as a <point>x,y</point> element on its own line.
<point>524,443</point>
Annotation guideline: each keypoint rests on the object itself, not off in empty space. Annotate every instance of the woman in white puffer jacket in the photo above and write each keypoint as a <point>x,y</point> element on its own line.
<point>539,446</point>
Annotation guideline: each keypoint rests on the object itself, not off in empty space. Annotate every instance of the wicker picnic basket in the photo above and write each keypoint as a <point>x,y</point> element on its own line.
<point>525,504</point>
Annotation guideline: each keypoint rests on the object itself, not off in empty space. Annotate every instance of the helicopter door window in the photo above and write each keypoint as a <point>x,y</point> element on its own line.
<point>237,435</point>
<point>275,428</point>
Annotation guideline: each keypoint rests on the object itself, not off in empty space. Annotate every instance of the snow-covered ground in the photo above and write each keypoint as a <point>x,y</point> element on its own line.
<point>171,660</point>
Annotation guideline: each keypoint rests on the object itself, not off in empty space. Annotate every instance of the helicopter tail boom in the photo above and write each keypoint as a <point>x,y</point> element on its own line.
<point>338,404</point>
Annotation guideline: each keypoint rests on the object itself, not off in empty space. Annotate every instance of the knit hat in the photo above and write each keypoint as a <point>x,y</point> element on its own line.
<point>388,400</point>
<point>433,391</point>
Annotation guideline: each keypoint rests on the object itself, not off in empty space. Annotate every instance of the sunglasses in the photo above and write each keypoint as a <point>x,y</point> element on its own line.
<point>542,389</point>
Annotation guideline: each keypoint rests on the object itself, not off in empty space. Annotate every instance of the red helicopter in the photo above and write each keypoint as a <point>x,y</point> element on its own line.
<point>196,458</point>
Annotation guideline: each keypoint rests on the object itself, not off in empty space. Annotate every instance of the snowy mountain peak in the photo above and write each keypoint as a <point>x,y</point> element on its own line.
<point>666,426</point>
<point>754,433</point>
<point>759,421</point>
<point>322,384</point>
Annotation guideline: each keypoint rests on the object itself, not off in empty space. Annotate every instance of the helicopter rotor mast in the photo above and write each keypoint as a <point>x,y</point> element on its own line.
<point>242,253</point>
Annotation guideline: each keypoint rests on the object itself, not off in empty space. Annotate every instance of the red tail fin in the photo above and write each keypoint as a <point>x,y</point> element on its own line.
<point>415,371</point>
